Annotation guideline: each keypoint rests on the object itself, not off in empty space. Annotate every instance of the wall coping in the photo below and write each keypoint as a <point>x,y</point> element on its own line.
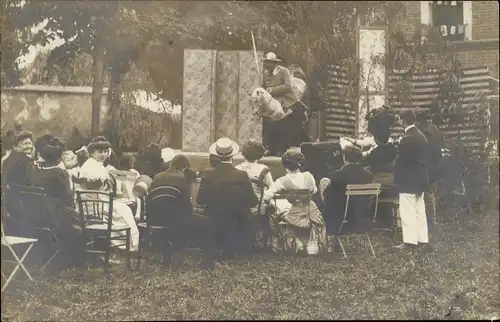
<point>52,89</point>
<point>472,45</point>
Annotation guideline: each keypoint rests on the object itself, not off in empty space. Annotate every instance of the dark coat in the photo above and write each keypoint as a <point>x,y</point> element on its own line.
<point>167,211</point>
<point>410,168</point>
<point>226,192</point>
<point>334,199</point>
<point>382,158</point>
<point>435,144</point>
<point>55,182</point>
<point>16,169</point>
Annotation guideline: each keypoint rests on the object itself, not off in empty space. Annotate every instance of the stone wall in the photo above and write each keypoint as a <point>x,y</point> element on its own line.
<point>50,109</point>
<point>217,88</point>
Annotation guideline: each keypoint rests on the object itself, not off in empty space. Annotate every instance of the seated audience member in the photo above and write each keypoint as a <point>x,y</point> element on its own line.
<point>95,176</point>
<point>6,145</point>
<point>151,163</point>
<point>187,228</point>
<point>213,161</point>
<point>125,188</point>
<point>227,195</point>
<point>17,166</point>
<point>253,151</point>
<point>172,177</point>
<point>334,195</point>
<point>49,175</point>
<point>295,215</point>
<point>380,161</point>
<point>111,161</point>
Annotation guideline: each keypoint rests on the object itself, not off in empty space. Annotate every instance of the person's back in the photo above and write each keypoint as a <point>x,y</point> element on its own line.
<point>55,181</point>
<point>225,191</point>
<point>171,210</point>
<point>334,195</point>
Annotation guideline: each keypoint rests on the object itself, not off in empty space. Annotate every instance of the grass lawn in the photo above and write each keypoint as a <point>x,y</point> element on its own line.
<point>458,280</point>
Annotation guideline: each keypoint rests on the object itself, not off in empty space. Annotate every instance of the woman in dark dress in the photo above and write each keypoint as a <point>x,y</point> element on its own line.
<point>48,173</point>
<point>16,167</point>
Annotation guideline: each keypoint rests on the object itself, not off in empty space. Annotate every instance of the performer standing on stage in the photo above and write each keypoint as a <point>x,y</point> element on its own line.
<point>279,136</point>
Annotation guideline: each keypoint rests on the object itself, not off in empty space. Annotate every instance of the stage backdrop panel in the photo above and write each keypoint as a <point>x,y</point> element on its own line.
<point>249,126</point>
<point>217,89</point>
<point>198,117</point>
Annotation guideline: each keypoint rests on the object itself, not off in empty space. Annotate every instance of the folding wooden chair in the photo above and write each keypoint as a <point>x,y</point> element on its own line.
<point>96,217</point>
<point>371,189</point>
<point>8,242</point>
<point>295,197</point>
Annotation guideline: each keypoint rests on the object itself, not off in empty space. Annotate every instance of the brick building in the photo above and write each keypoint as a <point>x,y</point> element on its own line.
<point>472,26</point>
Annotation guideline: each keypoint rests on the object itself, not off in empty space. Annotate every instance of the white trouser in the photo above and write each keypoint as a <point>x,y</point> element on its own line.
<point>413,218</point>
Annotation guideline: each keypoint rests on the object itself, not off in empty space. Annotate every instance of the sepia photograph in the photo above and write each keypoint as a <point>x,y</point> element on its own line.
<point>249,160</point>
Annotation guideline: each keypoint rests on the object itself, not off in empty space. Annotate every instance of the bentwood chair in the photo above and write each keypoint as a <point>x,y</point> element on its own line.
<point>96,217</point>
<point>359,223</point>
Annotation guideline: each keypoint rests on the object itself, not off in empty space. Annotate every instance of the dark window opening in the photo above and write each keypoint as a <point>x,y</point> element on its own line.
<point>448,16</point>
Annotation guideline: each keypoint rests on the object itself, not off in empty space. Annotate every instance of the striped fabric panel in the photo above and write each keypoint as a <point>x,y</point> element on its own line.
<point>340,118</point>
<point>424,91</point>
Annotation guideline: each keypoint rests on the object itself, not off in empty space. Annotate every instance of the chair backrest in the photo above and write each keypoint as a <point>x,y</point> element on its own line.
<point>369,189</point>
<point>163,202</point>
<point>295,196</point>
<point>39,211</point>
<point>261,186</point>
<point>94,205</point>
<point>194,186</point>
<point>124,175</point>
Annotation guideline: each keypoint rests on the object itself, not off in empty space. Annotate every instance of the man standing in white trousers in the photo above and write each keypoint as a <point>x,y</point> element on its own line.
<point>411,180</point>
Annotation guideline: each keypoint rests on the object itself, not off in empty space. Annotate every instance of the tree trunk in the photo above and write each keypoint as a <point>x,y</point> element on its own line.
<point>97,86</point>
<point>120,65</point>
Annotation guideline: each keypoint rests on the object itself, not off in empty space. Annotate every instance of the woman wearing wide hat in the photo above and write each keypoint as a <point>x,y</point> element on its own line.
<point>48,173</point>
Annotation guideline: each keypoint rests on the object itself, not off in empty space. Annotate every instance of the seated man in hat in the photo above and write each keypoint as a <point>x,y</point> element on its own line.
<point>279,136</point>
<point>228,196</point>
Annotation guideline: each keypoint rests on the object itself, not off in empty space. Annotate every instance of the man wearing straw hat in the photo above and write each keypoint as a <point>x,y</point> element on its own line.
<point>228,196</point>
<point>278,82</point>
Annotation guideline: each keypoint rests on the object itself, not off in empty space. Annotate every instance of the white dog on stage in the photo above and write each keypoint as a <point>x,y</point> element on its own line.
<point>263,104</point>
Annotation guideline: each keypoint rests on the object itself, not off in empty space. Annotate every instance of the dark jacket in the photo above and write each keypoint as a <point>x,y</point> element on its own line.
<point>55,181</point>
<point>226,192</point>
<point>435,144</point>
<point>382,158</point>
<point>335,198</point>
<point>16,169</point>
<point>410,168</point>
<point>166,211</point>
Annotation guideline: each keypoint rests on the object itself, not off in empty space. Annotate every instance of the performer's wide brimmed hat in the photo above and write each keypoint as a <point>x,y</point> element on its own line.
<point>224,148</point>
<point>98,143</point>
<point>270,56</point>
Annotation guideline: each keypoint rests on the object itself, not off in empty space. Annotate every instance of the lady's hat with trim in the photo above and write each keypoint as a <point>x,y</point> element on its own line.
<point>51,149</point>
<point>98,143</point>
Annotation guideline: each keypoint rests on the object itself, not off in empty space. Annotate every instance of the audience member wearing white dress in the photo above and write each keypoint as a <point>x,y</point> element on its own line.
<point>96,177</point>
<point>253,151</point>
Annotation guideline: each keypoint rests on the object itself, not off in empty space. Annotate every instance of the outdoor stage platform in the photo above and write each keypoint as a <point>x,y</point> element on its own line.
<point>199,162</point>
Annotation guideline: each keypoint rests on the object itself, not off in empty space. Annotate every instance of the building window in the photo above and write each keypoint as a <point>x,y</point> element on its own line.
<point>452,18</point>
<point>448,16</point>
